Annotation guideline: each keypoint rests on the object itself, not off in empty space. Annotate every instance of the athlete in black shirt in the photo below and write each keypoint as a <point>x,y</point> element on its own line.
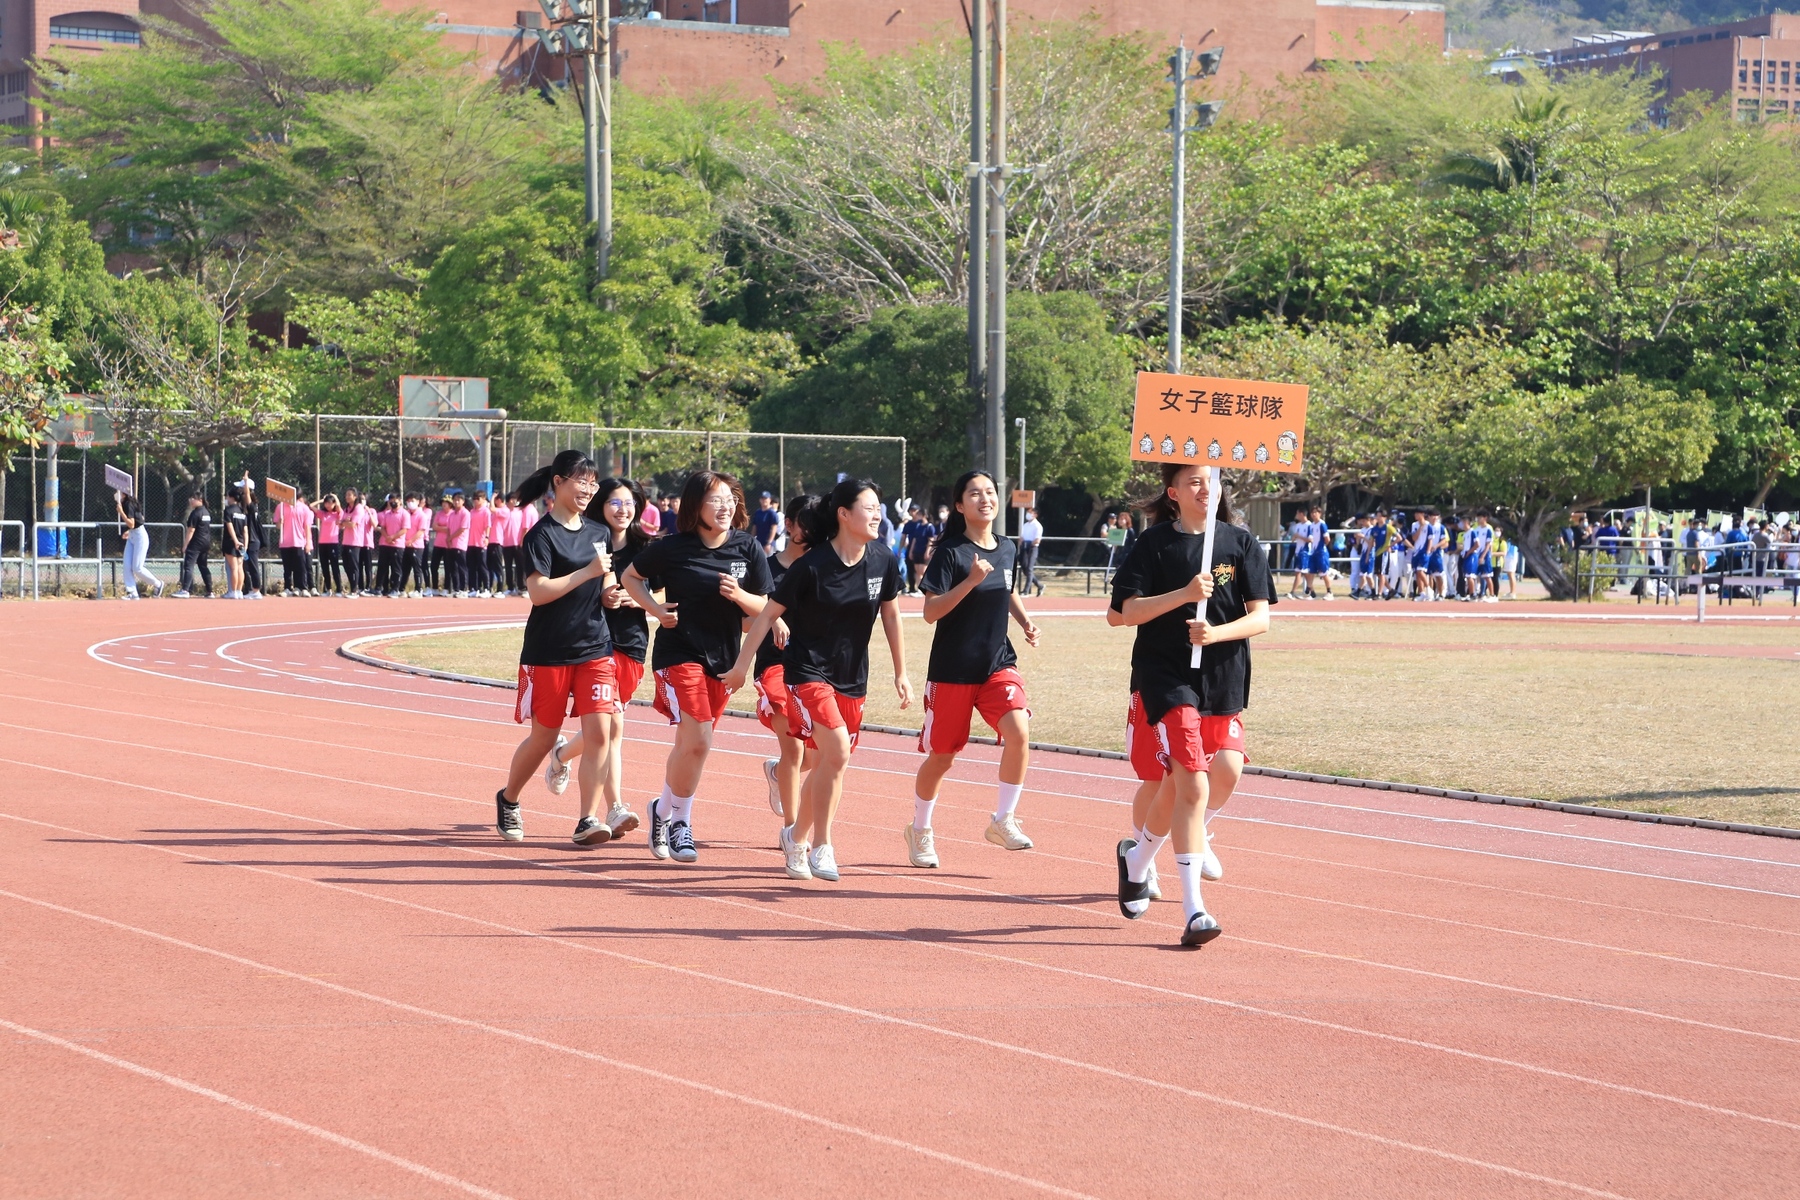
<point>794,756</point>
<point>829,599</point>
<point>712,575</point>
<point>1182,719</point>
<point>196,544</point>
<point>617,505</point>
<point>968,596</point>
<point>565,663</point>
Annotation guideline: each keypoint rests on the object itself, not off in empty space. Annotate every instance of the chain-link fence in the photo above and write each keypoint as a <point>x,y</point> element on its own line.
<point>327,454</point>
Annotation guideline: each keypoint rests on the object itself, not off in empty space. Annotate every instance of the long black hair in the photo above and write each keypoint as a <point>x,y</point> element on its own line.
<point>824,525</point>
<point>570,464</point>
<point>956,525</point>
<point>803,517</point>
<point>1161,507</point>
<point>635,533</point>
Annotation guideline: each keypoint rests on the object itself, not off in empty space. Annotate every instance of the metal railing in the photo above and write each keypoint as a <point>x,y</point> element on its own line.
<point>1668,569</point>
<point>98,561</point>
<point>17,560</point>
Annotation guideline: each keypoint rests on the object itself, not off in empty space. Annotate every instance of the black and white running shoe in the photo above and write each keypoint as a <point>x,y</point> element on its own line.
<point>590,831</point>
<point>659,832</point>
<point>507,819</point>
<point>681,842</point>
<point>1134,898</point>
<point>1201,929</point>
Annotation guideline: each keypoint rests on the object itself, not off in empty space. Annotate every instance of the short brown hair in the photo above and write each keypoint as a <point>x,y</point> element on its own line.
<point>694,492</point>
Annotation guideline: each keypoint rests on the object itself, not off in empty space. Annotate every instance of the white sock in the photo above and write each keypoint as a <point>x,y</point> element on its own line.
<point>1188,865</point>
<point>1009,799</point>
<point>1139,857</point>
<point>681,808</point>
<point>922,811</point>
<point>665,802</point>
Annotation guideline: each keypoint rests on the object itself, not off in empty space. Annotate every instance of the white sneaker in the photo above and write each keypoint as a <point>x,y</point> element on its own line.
<point>556,771</point>
<point>769,765</point>
<point>921,847</point>
<point>1005,833</point>
<point>1210,867</point>
<point>824,863</point>
<point>183,595</point>
<point>1154,889</point>
<point>620,820</point>
<point>796,855</point>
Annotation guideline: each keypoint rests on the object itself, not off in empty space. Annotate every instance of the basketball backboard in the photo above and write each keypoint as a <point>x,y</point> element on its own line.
<point>426,400</point>
<point>84,428</point>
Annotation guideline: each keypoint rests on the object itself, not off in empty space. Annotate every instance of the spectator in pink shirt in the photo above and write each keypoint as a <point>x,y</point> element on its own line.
<point>331,544</point>
<point>509,518</point>
<point>481,520</point>
<point>295,522</point>
<point>391,522</point>
<point>412,561</point>
<point>456,558</point>
<point>359,543</point>
<point>437,566</point>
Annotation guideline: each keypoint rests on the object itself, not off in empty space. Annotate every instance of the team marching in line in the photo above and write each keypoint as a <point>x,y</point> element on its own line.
<point>1391,558</point>
<point>797,627</point>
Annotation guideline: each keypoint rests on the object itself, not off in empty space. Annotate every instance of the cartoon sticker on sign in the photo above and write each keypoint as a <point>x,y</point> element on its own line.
<point>1263,424</point>
<point>1252,424</point>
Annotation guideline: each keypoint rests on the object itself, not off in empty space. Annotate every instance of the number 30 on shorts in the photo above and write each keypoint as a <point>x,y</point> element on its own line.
<point>603,693</point>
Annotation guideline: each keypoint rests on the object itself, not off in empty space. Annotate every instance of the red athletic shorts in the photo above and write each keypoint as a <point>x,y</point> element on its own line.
<point>772,696</point>
<point>814,703</point>
<point>686,690</point>
<point>950,708</point>
<point>548,694</point>
<point>629,672</point>
<point>1183,736</point>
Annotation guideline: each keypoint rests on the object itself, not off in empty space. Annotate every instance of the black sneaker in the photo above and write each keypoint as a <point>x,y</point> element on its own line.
<point>1201,929</point>
<point>1131,893</point>
<point>507,818</point>
<point>659,833</point>
<point>681,842</point>
<point>590,831</point>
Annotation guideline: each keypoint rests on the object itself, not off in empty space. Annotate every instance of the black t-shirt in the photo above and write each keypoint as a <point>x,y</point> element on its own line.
<point>1165,560</point>
<point>830,610</point>
<point>630,627</point>
<point>200,521</point>
<point>970,643</point>
<point>238,528</point>
<point>769,654</point>
<point>253,515</point>
<point>708,627</point>
<point>571,629</point>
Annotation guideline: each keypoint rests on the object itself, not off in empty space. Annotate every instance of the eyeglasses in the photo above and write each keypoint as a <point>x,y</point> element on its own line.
<point>624,504</point>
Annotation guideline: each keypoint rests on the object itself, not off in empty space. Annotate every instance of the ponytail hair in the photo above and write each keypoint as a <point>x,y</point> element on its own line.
<point>635,533</point>
<point>803,518</point>
<point>570,464</point>
<point>1160,507</point>
<point>956,525</point>
<point>842,496</point>
<point>693,500</point>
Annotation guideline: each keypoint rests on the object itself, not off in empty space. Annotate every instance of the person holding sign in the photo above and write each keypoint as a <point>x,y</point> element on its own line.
<point>565,663</point>
<point>1182,718</point>
<point>137,544</point>
<point>968,596</point>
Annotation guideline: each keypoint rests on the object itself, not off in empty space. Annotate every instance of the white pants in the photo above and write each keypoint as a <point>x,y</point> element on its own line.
<point>137,548</point>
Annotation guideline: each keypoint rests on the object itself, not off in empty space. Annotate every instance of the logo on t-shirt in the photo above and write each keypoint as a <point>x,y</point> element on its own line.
<point>1224,573</point>
<point>739,569</point>
<point>874,589</point>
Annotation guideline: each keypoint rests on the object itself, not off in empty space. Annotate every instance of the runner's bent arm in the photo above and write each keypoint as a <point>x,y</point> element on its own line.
<point>541,589</point>
<point>939,604</point>
<point>1254,621</point>
<point>1139,609</point>
<point>753,638</point>
<point>639,589</point>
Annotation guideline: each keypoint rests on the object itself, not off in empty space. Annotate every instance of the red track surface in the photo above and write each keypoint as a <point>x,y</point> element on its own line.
<point>257,938</point>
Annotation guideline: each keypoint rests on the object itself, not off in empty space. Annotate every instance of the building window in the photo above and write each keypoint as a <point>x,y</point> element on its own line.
<point>1742,76</point>
<point>1705,37</point>
<point>1784,77</point>
<point>88,33</point>
<point>14,82</point>
<point>1743,62</point>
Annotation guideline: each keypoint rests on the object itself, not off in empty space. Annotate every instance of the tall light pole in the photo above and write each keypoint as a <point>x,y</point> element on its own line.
<point>976,277</point>
<point>1204,64</point>
<point>581,29</point>
<point>1019,423</point>
<point>998,172</point>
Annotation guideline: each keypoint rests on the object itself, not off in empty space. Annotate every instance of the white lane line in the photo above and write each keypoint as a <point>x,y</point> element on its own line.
<point>784,1110</point>
<point>255,1110</point>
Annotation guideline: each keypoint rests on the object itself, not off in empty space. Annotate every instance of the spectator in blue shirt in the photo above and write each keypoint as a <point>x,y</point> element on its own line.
<point>766,520</point>
<point>916,536</point>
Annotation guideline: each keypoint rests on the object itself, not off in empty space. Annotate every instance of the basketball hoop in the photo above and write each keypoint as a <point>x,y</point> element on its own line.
<point>84,439</point>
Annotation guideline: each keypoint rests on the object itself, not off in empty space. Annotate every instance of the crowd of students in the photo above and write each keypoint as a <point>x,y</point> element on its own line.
<point>1425,558</point>
<point>796,625</point>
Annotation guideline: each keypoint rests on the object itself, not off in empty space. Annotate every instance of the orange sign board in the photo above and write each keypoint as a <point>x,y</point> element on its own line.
<point>1239,424</point>
<point>281,493</point>
<point>1023,499</point>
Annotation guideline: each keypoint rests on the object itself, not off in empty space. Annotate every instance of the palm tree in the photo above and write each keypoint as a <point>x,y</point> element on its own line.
<point>1524,153</point>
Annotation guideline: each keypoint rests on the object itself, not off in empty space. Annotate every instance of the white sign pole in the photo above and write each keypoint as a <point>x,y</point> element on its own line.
<point>1206,553</point>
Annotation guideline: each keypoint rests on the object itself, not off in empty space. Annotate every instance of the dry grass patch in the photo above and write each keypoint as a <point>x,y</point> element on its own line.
<point>1586,712</point>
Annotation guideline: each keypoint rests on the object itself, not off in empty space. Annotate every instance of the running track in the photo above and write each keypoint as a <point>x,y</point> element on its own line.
<point>257,938</point>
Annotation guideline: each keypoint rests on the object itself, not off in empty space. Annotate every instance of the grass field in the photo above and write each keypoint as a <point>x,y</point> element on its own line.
<point>1638,717</point>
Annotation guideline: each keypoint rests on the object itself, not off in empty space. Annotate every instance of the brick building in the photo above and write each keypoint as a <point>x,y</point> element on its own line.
<point>700,45</point>
<point>1754,64</point>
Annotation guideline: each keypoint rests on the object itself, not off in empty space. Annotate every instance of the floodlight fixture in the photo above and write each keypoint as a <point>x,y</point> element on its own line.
<point>1206,112</point>
<point>1207,61</point>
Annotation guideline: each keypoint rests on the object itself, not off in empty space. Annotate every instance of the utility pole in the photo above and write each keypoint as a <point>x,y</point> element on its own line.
<point>1207,63</point>
<point>581,29</point>
<point>998,173</point>
<point>976,277</point>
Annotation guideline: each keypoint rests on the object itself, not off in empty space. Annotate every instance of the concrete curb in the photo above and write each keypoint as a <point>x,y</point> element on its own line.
<point>349,650</point>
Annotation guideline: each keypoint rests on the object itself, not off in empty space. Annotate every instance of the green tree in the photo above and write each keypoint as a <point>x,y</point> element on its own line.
<point>33,370</point>
<point>1536,456</point>
<point>905,372</point>
<point>358,351</point>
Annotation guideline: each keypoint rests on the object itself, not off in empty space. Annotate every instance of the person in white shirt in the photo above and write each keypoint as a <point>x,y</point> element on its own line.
<point>1031,532</point>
